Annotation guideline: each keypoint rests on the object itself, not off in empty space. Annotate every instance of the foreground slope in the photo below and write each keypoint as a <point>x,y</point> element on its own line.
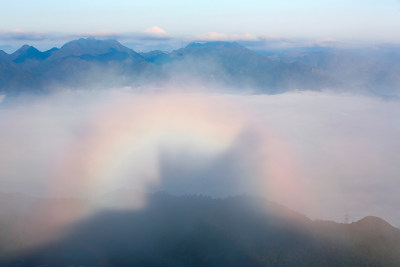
<point>200,231</point>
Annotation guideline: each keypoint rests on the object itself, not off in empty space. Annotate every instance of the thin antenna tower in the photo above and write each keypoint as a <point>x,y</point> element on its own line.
<point>346,217</point>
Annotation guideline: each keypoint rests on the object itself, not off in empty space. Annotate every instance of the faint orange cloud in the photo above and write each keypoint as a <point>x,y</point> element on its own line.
<point>157,31</point>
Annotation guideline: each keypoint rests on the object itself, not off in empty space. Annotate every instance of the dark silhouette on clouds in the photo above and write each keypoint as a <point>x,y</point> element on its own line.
<point>318,153</point>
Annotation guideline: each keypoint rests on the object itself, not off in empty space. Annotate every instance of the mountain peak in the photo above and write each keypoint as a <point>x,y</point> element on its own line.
<point>376,227</point>
<point>216,48</point>
<point>27,52</point>
<point>373,221</point>
<point>93,42</point>
<point>92,46</point>
<point>25,48</point>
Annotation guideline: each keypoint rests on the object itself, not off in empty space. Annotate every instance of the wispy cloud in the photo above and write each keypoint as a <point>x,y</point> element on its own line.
<point>153,33</point>
<point>22,35</point>
<point>18,34</point>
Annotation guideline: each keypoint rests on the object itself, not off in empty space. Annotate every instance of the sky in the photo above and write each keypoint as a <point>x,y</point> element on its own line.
<point>48,23</point>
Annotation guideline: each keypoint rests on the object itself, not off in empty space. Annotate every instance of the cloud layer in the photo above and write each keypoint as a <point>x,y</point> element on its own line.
<point>319,153</point>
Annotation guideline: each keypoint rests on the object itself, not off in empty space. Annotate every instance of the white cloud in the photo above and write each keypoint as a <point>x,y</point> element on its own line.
<point>18,34</point>
<point>157,31</point>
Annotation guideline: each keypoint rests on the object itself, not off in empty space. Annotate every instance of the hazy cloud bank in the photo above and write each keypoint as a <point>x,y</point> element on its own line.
<point>319,153</point>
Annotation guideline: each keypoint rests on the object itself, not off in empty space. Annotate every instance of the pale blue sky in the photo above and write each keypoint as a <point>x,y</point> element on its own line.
<point>356,20</point>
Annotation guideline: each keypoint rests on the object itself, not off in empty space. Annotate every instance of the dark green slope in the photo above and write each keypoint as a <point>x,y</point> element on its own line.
<point>200,231</point>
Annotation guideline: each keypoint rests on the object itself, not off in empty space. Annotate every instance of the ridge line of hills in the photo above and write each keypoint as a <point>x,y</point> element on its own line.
<point>190,230</point>
<point>78,63</point>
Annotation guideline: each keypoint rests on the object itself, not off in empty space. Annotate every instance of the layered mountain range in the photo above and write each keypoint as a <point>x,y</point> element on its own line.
<point>91,63</point>
<point>187,231</point>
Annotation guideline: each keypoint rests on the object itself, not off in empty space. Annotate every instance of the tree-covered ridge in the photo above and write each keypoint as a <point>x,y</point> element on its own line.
<point>202,231</point>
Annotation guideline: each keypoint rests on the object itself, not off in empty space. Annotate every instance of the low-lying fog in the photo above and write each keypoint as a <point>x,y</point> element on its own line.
<point>320,153</point>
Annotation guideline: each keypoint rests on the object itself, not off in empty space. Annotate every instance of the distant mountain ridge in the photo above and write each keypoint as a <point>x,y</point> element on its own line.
<point>92,47</point>
<point>91,63</point>
<point>240,67</point>
<point>27,52</point>
<point>201,231</point>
